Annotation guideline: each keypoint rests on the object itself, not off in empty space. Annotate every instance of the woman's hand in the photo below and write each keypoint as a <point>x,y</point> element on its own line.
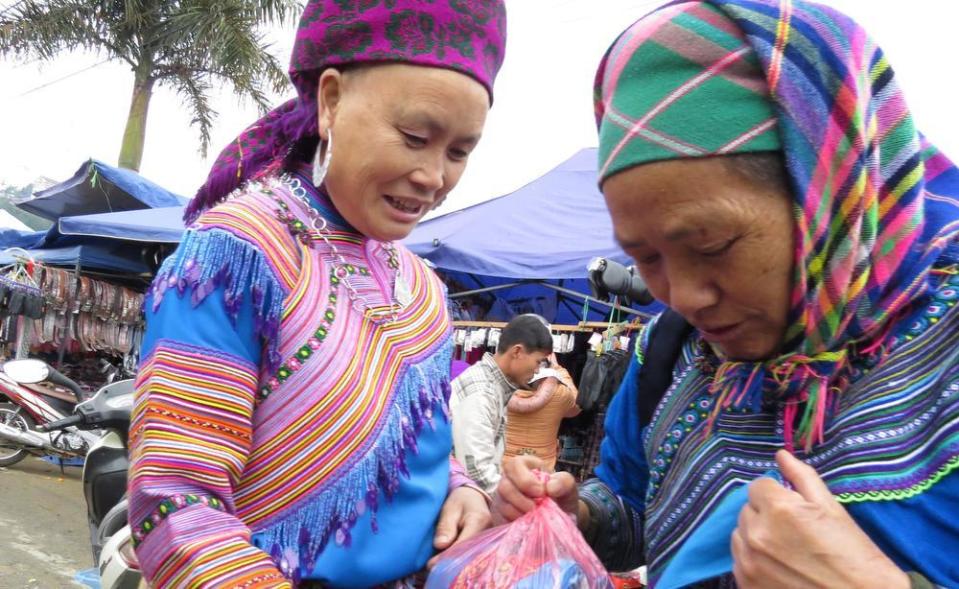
<point>804,537</point>
<point>521,485</point>
<point>464,515</point>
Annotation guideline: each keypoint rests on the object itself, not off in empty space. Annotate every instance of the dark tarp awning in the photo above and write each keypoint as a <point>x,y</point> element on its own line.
<point>99,188</point>
<point>103,258</point>
<point>24,239</point>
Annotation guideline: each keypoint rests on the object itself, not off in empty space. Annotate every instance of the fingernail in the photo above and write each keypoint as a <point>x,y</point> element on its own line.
<point>442,538</point>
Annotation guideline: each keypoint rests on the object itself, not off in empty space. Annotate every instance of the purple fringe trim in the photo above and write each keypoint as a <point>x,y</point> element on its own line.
<point>332,511</point>
<point>209,259</point>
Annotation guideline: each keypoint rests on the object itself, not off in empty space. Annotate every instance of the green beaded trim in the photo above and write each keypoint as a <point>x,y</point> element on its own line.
<point>900,494</point>
<point>302,355</point>
<point>638,348</point>
<point>168,507</point>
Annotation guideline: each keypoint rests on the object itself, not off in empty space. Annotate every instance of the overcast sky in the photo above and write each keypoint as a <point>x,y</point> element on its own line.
<point>56,115</point>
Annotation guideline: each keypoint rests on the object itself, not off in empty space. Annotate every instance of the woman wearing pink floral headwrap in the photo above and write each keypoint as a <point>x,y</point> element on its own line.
<point>290,426</point>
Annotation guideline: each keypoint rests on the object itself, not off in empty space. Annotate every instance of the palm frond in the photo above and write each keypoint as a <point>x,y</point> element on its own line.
<point>239,57</point>
<point>278,12</point>
<point>45,29</point>
<point>189,45</point>
<point>197,92</point>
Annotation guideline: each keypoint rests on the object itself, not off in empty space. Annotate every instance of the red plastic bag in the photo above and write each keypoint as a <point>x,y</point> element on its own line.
<point>541,550</point>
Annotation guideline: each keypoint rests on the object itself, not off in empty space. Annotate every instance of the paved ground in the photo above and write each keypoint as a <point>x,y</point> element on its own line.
<point>44,541</point>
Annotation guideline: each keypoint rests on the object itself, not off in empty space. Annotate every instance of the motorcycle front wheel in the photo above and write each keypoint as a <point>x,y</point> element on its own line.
<point>12,415</point>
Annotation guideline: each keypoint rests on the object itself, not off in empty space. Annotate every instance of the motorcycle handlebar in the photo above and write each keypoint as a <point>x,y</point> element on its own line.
<point>61,423</point>
<point>58,378</point>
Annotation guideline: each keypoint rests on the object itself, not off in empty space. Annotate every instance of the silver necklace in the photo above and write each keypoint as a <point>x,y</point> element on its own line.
<point>401,296</point>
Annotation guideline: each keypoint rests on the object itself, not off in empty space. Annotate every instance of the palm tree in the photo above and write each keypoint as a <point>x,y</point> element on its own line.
<point>187,45</point>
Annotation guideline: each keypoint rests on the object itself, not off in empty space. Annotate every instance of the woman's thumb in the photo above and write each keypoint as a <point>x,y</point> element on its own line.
<point>804,478</point>
<point>561,486</point>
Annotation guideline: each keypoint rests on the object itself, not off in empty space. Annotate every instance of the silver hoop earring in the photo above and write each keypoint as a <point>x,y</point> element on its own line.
<point>321,161</point>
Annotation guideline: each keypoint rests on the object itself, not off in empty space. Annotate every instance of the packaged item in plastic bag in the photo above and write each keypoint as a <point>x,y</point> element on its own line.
<point>541,550</point>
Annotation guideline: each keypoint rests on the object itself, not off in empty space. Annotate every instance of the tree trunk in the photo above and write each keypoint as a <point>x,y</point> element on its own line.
<point>131,151</point>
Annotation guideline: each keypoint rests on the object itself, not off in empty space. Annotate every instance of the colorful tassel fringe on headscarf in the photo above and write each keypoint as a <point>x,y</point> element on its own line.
<point>867,232</point>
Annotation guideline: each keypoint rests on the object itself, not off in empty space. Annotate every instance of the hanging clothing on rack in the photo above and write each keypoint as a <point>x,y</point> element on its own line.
<point>19,292</point>
<point>17,298</point>
<point>601,377</point>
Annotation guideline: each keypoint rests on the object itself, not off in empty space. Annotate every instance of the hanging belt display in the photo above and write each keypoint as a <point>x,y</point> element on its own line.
<point>97,315</point>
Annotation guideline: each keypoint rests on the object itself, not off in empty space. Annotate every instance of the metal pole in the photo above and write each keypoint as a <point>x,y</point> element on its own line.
<point>467,293</point>
<point>572,310</point>
<point>581,296</point>
<point>566,291</point>
<point>559,295</point>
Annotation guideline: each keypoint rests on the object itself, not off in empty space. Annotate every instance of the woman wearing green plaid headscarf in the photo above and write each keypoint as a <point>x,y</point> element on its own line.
<point>761,166</point>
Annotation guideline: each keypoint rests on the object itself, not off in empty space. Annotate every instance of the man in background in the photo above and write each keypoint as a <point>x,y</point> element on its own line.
<point>481,392</point>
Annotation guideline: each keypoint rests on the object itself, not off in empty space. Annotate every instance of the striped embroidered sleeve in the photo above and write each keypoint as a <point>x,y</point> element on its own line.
<point>623,466</point>
<point>614,530</point>
<point>458,476</point>
<point>191,431</point>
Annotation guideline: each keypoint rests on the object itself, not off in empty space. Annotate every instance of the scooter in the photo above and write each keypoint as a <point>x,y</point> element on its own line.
<point>104,471</point>
<point>36,394</point>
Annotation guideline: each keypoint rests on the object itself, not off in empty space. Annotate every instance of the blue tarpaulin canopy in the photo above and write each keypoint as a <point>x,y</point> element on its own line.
<point>94,191</point>
<point>543,235</point>
<point>90,257</point>
<point>99,188</point>
<point>161,225</point>
<point>551,228</point>
<point>24,239</point>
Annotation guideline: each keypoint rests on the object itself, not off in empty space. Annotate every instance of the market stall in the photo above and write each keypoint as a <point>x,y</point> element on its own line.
<point>75,298</point>
<point>527,251</point>
<point>74,307</point>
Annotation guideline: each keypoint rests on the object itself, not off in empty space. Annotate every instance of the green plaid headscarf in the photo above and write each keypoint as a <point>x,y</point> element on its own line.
<point>661,85</point>
<point>873,203</point>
